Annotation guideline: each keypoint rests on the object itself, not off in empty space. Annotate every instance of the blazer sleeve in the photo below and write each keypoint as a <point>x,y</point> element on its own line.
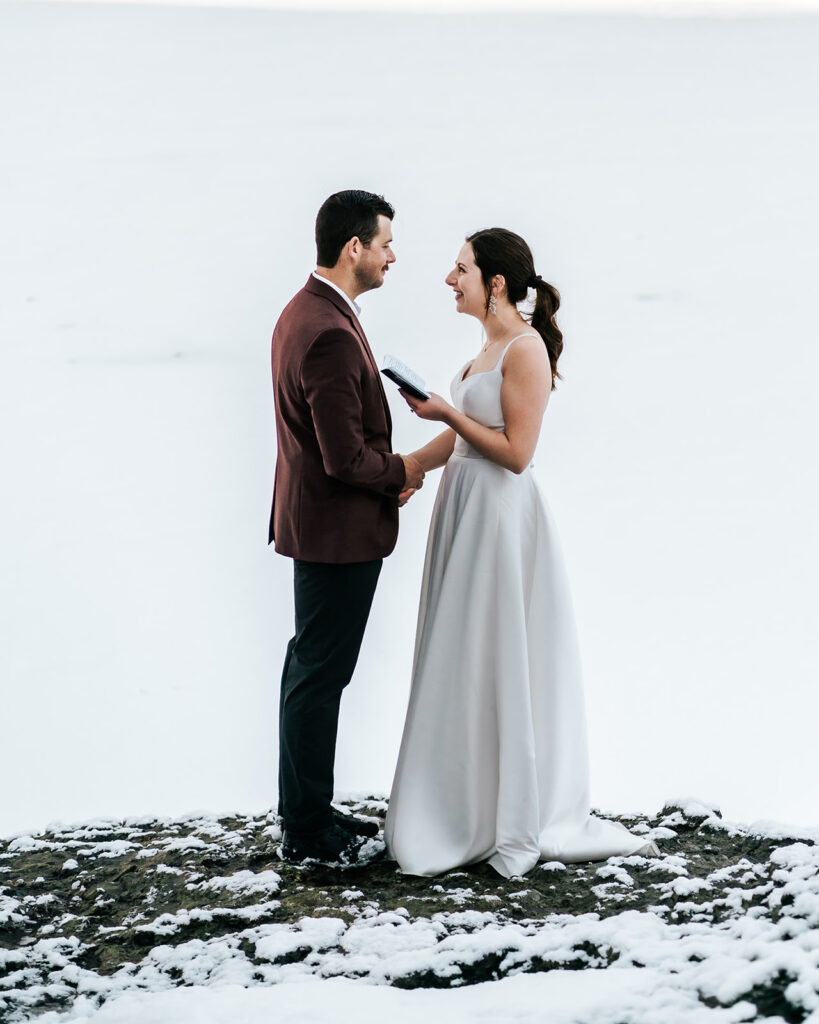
<point>331,379</point>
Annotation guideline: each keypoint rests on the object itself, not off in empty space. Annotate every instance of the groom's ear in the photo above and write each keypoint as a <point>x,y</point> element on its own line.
<point>354,247</point>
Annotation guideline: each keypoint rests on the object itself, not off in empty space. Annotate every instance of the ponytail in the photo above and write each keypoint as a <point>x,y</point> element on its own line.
<point>547,301</point>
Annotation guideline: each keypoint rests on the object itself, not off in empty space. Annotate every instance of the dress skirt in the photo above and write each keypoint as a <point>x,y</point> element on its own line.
<point>493,763</point>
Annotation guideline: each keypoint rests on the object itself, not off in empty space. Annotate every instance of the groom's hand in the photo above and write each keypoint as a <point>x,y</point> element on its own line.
<point>405,496</point>
<point>415,473</point>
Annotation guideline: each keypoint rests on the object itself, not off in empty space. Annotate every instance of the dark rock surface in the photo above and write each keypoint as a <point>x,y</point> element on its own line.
<point>108,906</point>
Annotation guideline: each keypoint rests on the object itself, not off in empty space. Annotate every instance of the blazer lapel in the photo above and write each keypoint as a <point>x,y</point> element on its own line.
<point>371,357</point>
<point>320,288</point>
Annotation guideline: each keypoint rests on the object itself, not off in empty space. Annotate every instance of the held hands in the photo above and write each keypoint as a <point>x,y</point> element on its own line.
<point>432,408</point>
<point>405,496</point>
<point>415,477</point>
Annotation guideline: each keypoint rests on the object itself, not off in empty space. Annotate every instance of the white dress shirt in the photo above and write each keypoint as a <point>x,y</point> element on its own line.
<point>354,306</point>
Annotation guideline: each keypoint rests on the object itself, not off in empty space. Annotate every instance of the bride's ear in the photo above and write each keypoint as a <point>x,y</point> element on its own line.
<point>498,285</point>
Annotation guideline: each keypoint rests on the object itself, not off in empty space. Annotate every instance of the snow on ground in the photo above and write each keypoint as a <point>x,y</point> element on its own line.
<point>560,997</point>
<point>722,927</point>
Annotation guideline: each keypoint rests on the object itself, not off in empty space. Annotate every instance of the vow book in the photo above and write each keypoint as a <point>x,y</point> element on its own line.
<point>403,376</point>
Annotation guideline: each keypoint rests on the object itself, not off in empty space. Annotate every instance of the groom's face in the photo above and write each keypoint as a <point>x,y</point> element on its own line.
<point>374,260</point>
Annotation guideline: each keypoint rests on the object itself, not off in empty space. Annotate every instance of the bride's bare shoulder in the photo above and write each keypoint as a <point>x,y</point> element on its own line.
<point>527,355</point>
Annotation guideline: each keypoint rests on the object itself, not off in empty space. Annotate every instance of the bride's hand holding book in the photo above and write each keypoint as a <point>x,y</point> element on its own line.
<point>433,408</point>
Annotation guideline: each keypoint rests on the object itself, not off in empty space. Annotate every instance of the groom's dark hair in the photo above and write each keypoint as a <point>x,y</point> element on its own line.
<point>345,215</point>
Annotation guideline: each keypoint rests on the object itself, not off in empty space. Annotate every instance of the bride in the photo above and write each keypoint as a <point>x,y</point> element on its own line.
<point>493,761</point>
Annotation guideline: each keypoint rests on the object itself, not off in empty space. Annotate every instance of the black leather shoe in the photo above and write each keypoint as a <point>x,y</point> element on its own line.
<point>332,846</point>
<point>357,826</point>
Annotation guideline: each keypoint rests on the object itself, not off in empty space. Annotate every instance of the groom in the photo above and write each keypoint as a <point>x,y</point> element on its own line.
<point>336,495</point>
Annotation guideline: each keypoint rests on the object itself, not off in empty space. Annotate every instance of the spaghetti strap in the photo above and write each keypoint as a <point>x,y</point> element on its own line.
<point>527,334</point>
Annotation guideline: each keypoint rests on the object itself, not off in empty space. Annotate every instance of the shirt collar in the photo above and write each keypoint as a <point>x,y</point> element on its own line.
<point>354,306</point>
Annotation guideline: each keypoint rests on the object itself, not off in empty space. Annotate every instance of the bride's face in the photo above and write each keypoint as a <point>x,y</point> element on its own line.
<point>467,283</point>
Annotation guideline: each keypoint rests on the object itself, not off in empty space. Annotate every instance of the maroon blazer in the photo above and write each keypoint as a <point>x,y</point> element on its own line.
<point>337,481</point>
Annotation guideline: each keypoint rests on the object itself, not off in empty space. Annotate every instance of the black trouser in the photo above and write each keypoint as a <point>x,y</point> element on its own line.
<point>332,606</point>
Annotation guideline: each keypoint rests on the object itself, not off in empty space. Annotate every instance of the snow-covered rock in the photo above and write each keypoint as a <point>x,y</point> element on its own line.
<point>724,923</point>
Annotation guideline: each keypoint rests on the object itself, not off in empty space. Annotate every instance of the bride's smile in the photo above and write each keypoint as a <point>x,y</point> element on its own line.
<point>465,281</point>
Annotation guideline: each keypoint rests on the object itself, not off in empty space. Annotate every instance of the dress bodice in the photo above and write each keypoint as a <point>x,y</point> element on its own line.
<point>478,396</point>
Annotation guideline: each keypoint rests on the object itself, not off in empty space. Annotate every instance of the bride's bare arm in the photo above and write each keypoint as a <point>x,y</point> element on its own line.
<point>527,382</point>
<point>436,453</point>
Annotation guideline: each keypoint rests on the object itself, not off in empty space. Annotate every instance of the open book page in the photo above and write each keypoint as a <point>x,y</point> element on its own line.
<point>404,377</point>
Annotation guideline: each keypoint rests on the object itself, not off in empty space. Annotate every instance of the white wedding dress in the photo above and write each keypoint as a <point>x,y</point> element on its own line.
<point>493,761</point>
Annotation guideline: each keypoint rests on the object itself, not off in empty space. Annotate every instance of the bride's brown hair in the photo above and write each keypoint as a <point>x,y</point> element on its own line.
<point>498,251</point>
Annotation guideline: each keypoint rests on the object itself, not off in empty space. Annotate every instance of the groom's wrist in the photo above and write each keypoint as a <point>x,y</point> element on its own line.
<point>397,475</point>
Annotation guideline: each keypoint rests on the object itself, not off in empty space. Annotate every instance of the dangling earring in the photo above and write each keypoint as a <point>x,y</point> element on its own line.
<point>493,305</point>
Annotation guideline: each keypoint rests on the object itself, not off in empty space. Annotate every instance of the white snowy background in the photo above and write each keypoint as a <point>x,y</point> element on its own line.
<point>161,171</point>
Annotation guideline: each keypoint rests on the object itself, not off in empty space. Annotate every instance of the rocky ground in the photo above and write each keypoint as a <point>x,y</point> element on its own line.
<point>729,913</point>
